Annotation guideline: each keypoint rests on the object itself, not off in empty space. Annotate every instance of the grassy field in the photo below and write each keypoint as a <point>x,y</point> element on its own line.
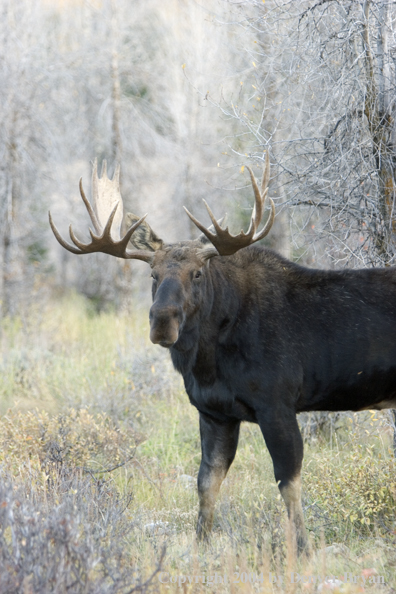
<point>99,458</point>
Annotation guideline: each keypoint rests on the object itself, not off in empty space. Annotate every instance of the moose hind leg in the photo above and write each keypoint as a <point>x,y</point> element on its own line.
<point>283,439</point>
<point>219,442</point>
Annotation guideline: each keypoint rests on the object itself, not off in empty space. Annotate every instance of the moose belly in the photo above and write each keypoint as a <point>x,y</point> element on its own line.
<point>375,390</point>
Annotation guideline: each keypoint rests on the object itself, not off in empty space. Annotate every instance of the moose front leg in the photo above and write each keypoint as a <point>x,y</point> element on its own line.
<point>284,442</point>
<point>219,442</point>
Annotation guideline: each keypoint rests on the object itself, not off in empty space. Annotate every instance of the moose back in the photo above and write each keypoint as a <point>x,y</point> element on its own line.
<point>256,337</point>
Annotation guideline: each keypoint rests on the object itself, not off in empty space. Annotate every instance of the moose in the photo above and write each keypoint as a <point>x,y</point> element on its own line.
<point>256,337</point>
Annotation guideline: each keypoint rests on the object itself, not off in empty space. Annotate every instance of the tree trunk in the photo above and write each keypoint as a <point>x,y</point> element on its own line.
<point>381,123</point>
<point>116,145</point>
<point>7,239</point>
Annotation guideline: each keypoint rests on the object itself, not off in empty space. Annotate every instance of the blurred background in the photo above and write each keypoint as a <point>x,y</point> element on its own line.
<point>183,94</point>
<point>99,446</point>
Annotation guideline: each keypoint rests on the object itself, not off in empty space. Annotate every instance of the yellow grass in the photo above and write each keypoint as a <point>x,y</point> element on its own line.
<point>93,387</point>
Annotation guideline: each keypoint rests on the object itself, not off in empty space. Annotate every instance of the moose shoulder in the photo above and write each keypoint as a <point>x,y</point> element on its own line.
<point>256,338</point>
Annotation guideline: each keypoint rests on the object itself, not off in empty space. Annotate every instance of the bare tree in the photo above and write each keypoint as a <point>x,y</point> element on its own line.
<point>313,82</point>
<point>319,88</point>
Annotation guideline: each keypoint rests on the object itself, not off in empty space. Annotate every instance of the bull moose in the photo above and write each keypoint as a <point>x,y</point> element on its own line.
<point>256,337</point>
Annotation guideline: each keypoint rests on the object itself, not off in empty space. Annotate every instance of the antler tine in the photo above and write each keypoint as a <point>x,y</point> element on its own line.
<point>89,208</point>
<point>266,174</point>
<point>201,227</point>
<point>76,241</point>
<point>264,194</point>
<point>132,228</point>
<point>258,205</point>
<point>267,227</point>
<point>260,196</point>
<point>212,218</point>
<point>59,237</point>
<point>107,229</point>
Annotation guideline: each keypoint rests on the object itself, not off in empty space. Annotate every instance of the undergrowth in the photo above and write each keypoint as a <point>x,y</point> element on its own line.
<point>98,477</point>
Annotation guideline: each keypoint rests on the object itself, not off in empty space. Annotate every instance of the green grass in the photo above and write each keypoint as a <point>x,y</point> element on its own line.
<point>92,389</point>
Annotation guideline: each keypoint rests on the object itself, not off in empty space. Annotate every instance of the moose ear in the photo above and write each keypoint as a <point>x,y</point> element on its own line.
<point>143,238</point>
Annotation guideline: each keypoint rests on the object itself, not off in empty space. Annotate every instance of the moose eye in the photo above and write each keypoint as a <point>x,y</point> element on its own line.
<point>154,277</point>
<point>198,274</point>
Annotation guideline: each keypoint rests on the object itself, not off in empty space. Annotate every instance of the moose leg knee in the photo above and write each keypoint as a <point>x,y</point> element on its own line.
<point>219,443</point>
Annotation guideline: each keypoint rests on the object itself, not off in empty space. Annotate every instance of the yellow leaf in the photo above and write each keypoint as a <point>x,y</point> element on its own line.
<point>242,168</point>
<point>152,369</point>
<point>183,66</point>
<point>254,64</point>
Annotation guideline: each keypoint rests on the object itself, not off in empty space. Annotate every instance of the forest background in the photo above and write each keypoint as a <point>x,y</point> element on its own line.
<point>183,95</point>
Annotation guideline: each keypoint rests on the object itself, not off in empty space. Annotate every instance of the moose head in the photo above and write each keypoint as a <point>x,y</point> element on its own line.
<point>178,270</point>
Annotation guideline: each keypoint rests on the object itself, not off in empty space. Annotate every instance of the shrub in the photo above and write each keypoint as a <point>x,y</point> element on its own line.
<point>75,540</point>
<point>358,489</point>
<point>62,529</point>
<point>74,439</point>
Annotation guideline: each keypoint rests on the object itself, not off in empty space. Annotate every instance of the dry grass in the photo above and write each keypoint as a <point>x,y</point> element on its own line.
<point>99,444</point>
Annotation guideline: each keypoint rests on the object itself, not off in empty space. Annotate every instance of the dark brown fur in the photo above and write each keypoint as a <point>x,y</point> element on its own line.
<point>260,339</point>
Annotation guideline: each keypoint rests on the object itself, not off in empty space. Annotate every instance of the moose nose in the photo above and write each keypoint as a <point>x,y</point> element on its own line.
<point>164,324</point>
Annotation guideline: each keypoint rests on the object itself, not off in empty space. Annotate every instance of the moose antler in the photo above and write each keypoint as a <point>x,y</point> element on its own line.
<point>227,244</point>
<point>106,220</point>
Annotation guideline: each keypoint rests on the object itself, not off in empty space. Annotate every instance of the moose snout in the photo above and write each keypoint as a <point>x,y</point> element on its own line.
<point>165,324</point>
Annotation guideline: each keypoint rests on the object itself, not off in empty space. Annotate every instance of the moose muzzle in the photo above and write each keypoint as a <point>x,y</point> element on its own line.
<point>165,324</point>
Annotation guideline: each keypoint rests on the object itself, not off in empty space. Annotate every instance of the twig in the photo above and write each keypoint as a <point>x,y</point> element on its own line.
<point>141,587</point>
<point>108,469</point>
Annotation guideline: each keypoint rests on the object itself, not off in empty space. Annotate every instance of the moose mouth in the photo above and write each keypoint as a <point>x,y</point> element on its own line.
<point>166,344</point>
